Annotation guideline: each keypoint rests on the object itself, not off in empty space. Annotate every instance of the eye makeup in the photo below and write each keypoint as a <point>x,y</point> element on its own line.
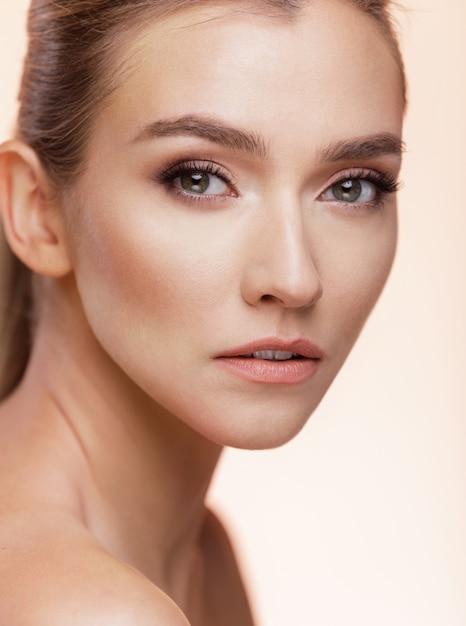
<point>360,189</point>
<point>197,180</point>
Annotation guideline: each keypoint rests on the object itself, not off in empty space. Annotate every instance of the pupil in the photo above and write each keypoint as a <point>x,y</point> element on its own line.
<point>348,190</point>
<point>196,182</point>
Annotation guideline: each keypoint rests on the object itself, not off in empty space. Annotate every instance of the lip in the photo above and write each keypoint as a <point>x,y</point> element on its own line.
<point>293,371</point>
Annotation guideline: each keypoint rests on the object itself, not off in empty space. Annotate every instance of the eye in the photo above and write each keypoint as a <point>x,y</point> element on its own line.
<point>363,188</point>
<point>200,182</point>
<point>197,180</point>
<point>351,190</point>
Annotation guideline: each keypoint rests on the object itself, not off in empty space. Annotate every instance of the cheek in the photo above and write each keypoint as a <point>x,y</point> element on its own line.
<point>354,276</point>
<point>146,282</point>
<point>121,274</point>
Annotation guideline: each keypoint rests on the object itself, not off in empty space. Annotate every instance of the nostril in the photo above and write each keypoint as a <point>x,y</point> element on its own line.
<point>266,297</point>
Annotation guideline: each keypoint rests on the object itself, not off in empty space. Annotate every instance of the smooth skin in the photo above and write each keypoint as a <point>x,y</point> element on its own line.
<point>109,443</point>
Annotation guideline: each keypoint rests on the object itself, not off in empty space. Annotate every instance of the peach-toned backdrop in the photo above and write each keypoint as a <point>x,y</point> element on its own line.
<point>361,521</point>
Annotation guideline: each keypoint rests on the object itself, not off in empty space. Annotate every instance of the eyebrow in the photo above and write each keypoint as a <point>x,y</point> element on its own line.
<point>247,141</point>
<point>363,148</point>
<point>209,129</point>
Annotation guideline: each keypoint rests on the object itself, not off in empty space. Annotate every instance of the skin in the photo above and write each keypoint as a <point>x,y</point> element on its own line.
<point>110,442</point>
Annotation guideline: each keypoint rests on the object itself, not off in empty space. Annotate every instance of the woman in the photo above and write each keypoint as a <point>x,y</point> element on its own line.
<point>201,199</point>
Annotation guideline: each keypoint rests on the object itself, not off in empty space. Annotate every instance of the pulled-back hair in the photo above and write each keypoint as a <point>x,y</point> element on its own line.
<point>69,70</point>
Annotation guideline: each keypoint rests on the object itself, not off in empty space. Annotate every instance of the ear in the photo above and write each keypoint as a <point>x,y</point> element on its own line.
<point>31,211</point>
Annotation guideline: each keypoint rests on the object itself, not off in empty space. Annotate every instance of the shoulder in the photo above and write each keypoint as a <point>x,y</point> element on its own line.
<point>135,611</point>
<point>129,609</point>
<point>124,599</point>
<point>64,579</point>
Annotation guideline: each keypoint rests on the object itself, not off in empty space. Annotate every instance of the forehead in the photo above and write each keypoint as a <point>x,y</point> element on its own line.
<point>329,68</point>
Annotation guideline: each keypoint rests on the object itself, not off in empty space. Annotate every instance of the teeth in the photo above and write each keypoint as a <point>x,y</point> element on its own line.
<point>273,355</point>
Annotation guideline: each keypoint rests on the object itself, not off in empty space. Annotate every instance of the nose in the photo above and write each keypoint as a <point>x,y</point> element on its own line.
<point>280,266</point>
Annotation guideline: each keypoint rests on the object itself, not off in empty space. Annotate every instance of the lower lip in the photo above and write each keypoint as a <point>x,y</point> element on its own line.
<point>271,372</point>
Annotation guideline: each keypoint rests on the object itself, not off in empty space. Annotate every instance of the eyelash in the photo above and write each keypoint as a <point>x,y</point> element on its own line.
<point>178,168</point>
<point>384,183</point>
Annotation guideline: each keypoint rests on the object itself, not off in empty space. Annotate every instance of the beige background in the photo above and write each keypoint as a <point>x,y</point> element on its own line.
<point>361,520</point>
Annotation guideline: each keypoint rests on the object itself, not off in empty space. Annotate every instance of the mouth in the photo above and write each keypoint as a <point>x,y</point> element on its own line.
<point>273,361</point>
<point>273,355</point>
<point>276,349</point>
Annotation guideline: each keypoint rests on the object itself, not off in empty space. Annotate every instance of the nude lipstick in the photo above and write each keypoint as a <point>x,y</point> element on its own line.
<point>273,361</point>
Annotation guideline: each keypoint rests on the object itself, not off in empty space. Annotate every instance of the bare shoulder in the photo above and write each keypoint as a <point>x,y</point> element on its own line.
<point>55,574</point>
<point>227,593</point>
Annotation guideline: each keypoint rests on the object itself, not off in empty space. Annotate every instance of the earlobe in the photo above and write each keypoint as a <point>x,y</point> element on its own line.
<point>31,213</point>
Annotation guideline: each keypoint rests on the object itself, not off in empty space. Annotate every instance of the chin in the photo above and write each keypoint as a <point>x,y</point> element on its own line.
<point>248,417</point>
<point>263,431</point>
<point>265,439</point>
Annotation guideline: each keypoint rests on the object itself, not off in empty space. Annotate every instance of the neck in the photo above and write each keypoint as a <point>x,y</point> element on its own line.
<point>143,474</point>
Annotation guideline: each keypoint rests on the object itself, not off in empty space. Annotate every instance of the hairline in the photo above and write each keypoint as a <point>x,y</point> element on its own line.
<point>146,16</point>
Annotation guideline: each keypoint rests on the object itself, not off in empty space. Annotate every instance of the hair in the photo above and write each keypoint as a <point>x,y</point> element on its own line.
<point>69,70</point>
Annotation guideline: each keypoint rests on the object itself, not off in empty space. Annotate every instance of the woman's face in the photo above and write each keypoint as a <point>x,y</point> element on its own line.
<point>236,221</point>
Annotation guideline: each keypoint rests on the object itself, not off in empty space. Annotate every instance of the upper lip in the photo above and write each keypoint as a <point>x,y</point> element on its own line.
<point>301,346</point>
